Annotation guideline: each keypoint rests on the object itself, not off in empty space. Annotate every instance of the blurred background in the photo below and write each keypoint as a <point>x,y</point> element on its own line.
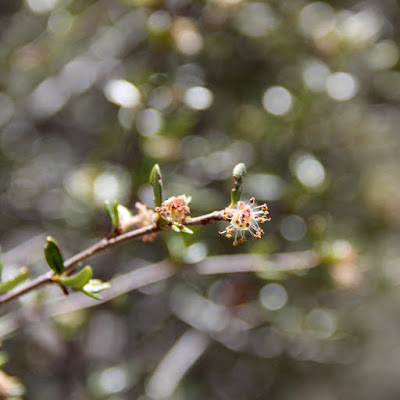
<point>306,94</point>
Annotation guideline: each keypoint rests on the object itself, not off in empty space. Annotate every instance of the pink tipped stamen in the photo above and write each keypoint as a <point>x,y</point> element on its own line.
<point>245,218</point>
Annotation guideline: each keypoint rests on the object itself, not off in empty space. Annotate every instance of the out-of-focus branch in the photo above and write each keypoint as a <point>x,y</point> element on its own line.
<point>144,276</point>
<point>125,283</point>
<point>100,246</point>
<point>289,262</point>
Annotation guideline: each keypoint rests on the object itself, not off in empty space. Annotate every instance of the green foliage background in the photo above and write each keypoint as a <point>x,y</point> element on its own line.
<point>322,152</point>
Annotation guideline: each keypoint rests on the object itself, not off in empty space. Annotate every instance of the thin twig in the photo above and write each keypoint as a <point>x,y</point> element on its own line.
<point>97,247</point>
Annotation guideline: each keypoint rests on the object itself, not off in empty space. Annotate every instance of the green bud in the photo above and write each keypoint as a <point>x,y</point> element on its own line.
<point>238,173</point>
<point>112,211</point>
<point>78,280</point>
<point>53,256</point>
<point>156,182</point>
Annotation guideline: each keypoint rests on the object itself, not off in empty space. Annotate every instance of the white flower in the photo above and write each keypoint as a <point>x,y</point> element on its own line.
<point>243,218</point>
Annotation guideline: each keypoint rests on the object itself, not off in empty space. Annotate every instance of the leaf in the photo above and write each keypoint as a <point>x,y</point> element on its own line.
<point>78,280</point>
<point>185,229</point>
<point>156,182</point>
<point>112,211</point>
<point>180,228</point>
<point>96,286</point>
<point>93,296</point>
<point>93,287</point>
<point>12,283</point>
<point>175,227</point>
<point>53,256</point>
<point>238,173</point>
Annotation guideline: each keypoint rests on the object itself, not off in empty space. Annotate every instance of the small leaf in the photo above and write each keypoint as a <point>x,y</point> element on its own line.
<point>78,280</point>
<point>238,173</point>
<point>96,286</point>
<point>93,287</point>
<point>93,296</point>
<point>185,229</point>
<point>112,211</point>
<point>156,182</point>
<point>12,283</point>
<point>180,228</point>
<point>53,256</point>
<point>175,227</point>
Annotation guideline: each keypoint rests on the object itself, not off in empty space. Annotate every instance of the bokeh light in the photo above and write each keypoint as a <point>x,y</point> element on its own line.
<point>273,296</point>
<point>149,122</point>
<point>122,93</point>
<point>293,228</point>
<point>277,100</point>
<point>316,19</point>
<point>309,171</point>
<point>315,73</point>
<point>198,98</point>
<point>256,19</point>
<point>341,86</point>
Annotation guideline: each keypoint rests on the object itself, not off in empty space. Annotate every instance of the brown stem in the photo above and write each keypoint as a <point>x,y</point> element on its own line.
<point>97,247</point>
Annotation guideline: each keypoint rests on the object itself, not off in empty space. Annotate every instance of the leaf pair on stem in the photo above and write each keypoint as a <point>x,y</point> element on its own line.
<point>80,281</point>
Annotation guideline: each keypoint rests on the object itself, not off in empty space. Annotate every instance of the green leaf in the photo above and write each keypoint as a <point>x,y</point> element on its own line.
<point>93,287</point>
<point>185,229</point>
<point>53,256</point>
<point>96,286</point>
<point>238,173</point>
<point>78,280</point>
<point>12,283</point>
<point>175,227</point>
<point>93,296</point>
<point>112,211</point>
<point>156,182</point>
<point>180,228</point>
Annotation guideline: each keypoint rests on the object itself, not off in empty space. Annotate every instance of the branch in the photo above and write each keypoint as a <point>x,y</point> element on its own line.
<point>138,278</point>
<point>103,244</point>
<point>281,262</point>
<point>125,283</point>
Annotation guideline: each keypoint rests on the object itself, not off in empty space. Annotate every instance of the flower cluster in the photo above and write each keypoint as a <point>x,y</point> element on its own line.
<point>175,209</point>
<point>243,218</point>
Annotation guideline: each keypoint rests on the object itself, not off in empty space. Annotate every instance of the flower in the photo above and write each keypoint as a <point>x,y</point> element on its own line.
<point>245,217</point>
<point>175,209</point>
